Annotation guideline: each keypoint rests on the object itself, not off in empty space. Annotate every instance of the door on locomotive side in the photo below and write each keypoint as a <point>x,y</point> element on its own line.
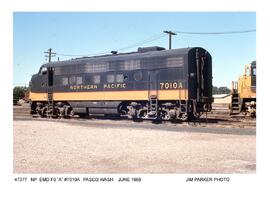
<point>153,78</point>
<point>50,82</point>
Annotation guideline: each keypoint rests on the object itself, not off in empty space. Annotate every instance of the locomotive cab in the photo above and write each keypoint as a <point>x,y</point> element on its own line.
<point>41,85</point>
<point>247,82</point>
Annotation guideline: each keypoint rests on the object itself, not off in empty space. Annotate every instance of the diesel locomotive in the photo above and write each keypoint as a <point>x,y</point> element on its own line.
<point>243,92</point>
<point>151,83</point>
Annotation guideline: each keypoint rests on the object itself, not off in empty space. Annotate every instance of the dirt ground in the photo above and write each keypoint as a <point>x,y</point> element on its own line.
<point>55,147</point>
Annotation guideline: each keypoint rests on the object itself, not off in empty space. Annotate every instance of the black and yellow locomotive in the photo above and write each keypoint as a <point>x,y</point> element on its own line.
<point>152,83</point>
<point>243,92</point>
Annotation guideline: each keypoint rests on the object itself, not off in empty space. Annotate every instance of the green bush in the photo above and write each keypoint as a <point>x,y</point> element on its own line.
<point>19,93</point>
<point>220,90</point>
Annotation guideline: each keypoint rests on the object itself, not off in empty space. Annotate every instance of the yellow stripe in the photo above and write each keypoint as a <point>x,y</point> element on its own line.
<point>173,94</point>
<point>117,95</point>
<point>112,95</point>
<point>38,96</point>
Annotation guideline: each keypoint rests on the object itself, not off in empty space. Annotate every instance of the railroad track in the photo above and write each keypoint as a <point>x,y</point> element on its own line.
<point>219,117</point>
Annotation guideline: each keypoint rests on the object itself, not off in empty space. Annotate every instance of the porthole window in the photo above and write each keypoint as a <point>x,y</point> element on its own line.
<point>72,80</point>
<point>138,76</point>
<point>79,80</point>
<point>110,78</point>
<point>64,81</point>
<point>96,79</point>
<point>119,78</point>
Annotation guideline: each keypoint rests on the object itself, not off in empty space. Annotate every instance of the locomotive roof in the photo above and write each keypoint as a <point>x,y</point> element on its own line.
<point>122,56</point>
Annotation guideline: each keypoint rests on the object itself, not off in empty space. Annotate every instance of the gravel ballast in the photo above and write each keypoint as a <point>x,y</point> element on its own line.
<point>54,147</point>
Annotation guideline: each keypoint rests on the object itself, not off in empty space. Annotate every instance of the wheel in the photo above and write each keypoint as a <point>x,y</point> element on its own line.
<point>43,112</point>
<point>56,113</point>
<point>184,117</point>
<point>166,115</point>
<point>71,113</point>
<point>141,113</point>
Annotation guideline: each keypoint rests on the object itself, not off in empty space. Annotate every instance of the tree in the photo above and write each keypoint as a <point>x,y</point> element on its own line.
<point>224,90</point>
<point>19,93</point>
<point>220,90</point>
<point>215,90</point>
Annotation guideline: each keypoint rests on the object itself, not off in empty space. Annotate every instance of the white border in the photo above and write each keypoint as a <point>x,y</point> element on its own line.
<point>157,191</point>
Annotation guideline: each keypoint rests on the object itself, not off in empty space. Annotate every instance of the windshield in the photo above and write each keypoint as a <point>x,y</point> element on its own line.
<point>253,72</point>
<point>43,70</point>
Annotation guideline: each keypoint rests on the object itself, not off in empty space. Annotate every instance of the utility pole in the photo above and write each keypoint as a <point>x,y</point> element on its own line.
<point>50,54</point>
<point>170,37</point>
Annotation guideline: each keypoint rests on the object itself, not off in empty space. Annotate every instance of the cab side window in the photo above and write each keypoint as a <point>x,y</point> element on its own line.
<point>43,71</point>
<point>254,71</point>
<point>247,71</point>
